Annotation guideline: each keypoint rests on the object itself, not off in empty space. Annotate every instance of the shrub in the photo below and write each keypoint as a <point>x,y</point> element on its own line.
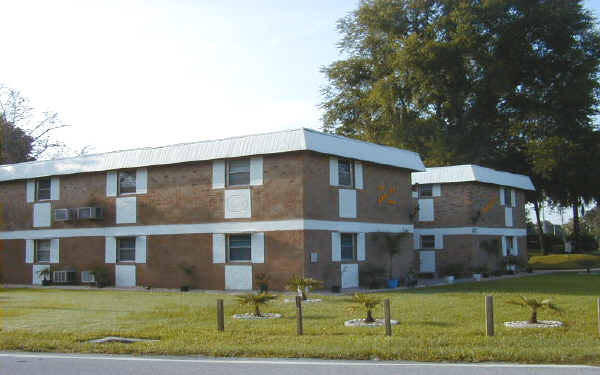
<point>300,284</point>
<point>100,273</point>
<point>534,305</point>
<point>262,281</point>
<point>453,269</point>
<point>365,302</point>
<point>254,301</point>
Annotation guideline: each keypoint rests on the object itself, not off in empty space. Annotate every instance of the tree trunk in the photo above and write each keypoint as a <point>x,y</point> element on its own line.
<point>533,318</point>
<point>575,226</point>
<point>540,230</point>
<point>257,311</point>
<point>369,317</point>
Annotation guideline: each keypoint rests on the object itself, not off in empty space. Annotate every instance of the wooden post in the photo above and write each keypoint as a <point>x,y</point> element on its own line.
<point>388,323</point>
<point>299,326</point>
<point>489,316</point>
<point>598,316</point>
<point>220,316</point>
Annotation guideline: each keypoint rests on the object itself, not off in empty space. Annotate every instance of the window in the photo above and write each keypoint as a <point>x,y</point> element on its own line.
<point>428,242</point>
<point>42,189</point>
<point>348,242</point>
<point>87,277</point>
<point>238,172</point>
<point>63,276</point>
<point>509,245</point>
<point>42,251</point>
<point>240,249</point>
<point>508,198</point>
<point>345,172</point>
<point>425,191</point>
<point>126,249</point>
<point>127,182</point>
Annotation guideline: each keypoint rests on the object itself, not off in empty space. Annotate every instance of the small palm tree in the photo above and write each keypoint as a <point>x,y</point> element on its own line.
<point>302,283</point>
<point>254,301</point>
<point>367,303</point>
<point>534,305</point>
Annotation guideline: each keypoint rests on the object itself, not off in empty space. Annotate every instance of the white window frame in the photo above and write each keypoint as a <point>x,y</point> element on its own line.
<point>37,189</point>
<point>354,247</point>
<point>119,248</point>
<point>229,237</point>
<point>422,187</point>
<point>37,251</point>
<point>228,172</point>
<point>88,277</point>
<point>130,172</point>
<point>422,242</point>
<point>351,165</point>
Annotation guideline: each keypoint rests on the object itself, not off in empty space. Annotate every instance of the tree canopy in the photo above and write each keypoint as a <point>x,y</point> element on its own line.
<point>508,84</point>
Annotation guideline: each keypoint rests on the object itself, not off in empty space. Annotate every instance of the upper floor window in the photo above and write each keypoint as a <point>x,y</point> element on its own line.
<point>238,172</point>
<point>42,251</point>
<point>42,189</point>
<point>345,172</point>
<point>240,247</point>
<point>348,245</point>
<point>425,191</point>
<point>510,249</point>
<point>127,183</point>
<point>428,242</point>
<point>126,249</point>
<point>508,198</point>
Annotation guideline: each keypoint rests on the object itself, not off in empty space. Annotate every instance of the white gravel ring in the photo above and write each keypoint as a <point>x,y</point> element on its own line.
<point>539,324</point>
<point>309,300</point>
<point>264,316</point>
<point>362,323</point>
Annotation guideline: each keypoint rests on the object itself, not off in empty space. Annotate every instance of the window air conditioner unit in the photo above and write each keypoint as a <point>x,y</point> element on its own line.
<point>91,213</point>
<point>63,214</point>
<point>63,276</point>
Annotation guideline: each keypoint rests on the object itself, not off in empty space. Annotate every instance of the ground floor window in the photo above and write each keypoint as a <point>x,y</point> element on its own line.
<point>42,251</point>
<point>126,249</point>
<point>348,242</point>
<point>239,247</point>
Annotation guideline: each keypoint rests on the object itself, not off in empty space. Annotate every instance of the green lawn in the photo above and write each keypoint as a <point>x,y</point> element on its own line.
<point>436,324</point>
<point>562,261</point>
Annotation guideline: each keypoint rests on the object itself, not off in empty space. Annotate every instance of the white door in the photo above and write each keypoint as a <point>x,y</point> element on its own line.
<point>238,277</point>
<point>427,261</point>
<point>125,276</point>
<point>37,279</point>
<point>349,275</point>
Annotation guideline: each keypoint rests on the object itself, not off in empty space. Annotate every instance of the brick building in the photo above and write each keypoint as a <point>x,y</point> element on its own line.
<point>470,215</point>
<point>210,215</point>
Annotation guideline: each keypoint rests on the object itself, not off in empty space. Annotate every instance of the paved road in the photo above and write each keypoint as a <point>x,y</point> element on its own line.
<point>88,364</point>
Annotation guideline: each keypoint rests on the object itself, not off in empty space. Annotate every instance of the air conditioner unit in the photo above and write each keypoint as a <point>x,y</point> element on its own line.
<point>63,214</point>
<point>63,276</point>
<point>90,213</point>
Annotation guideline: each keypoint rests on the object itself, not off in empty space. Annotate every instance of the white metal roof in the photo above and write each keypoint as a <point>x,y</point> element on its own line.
<point>258,144</point>
<point>464,173</point>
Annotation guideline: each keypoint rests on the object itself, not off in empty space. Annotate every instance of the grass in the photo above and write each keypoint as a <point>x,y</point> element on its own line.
<point>436,324</point>
<point>562,261</point>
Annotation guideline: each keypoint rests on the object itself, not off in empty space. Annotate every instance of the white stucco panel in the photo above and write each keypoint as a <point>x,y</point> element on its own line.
<point>347,202</point>
<point>42,214</point>
<point>238,277</point>
<point>126,210</point>
<point>426,210</point>
<point>238,204</point>
<point>125,276</point>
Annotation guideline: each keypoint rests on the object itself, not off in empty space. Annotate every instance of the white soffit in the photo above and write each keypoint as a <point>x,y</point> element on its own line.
<point>258,144</point>
<point>465,173</point>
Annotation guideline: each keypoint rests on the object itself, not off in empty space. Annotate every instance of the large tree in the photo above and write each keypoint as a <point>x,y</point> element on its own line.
<point>25,134</point>
<point>486,82</point>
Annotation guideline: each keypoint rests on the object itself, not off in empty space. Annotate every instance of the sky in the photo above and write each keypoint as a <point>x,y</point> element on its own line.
<point>140,73</point>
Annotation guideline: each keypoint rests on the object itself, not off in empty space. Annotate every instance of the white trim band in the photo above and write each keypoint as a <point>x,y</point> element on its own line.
<point>223,227</point>
<point>478,231</point>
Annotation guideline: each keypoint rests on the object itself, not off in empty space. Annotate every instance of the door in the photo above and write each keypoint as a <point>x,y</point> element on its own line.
<point>238,277</point>
<point>125,276</point>
<point>37,279</point>
<point>427,261</point>
<point>349,275</point>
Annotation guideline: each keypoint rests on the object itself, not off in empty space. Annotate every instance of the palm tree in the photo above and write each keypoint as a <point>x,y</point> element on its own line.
<point>301,283</point>
<point>534,305</point>
<point>367,303</point>
<point>254,301</point>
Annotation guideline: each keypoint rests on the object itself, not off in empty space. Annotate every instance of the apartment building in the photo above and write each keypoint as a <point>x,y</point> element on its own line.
<point>470,215</point>
<point>211,215</point>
